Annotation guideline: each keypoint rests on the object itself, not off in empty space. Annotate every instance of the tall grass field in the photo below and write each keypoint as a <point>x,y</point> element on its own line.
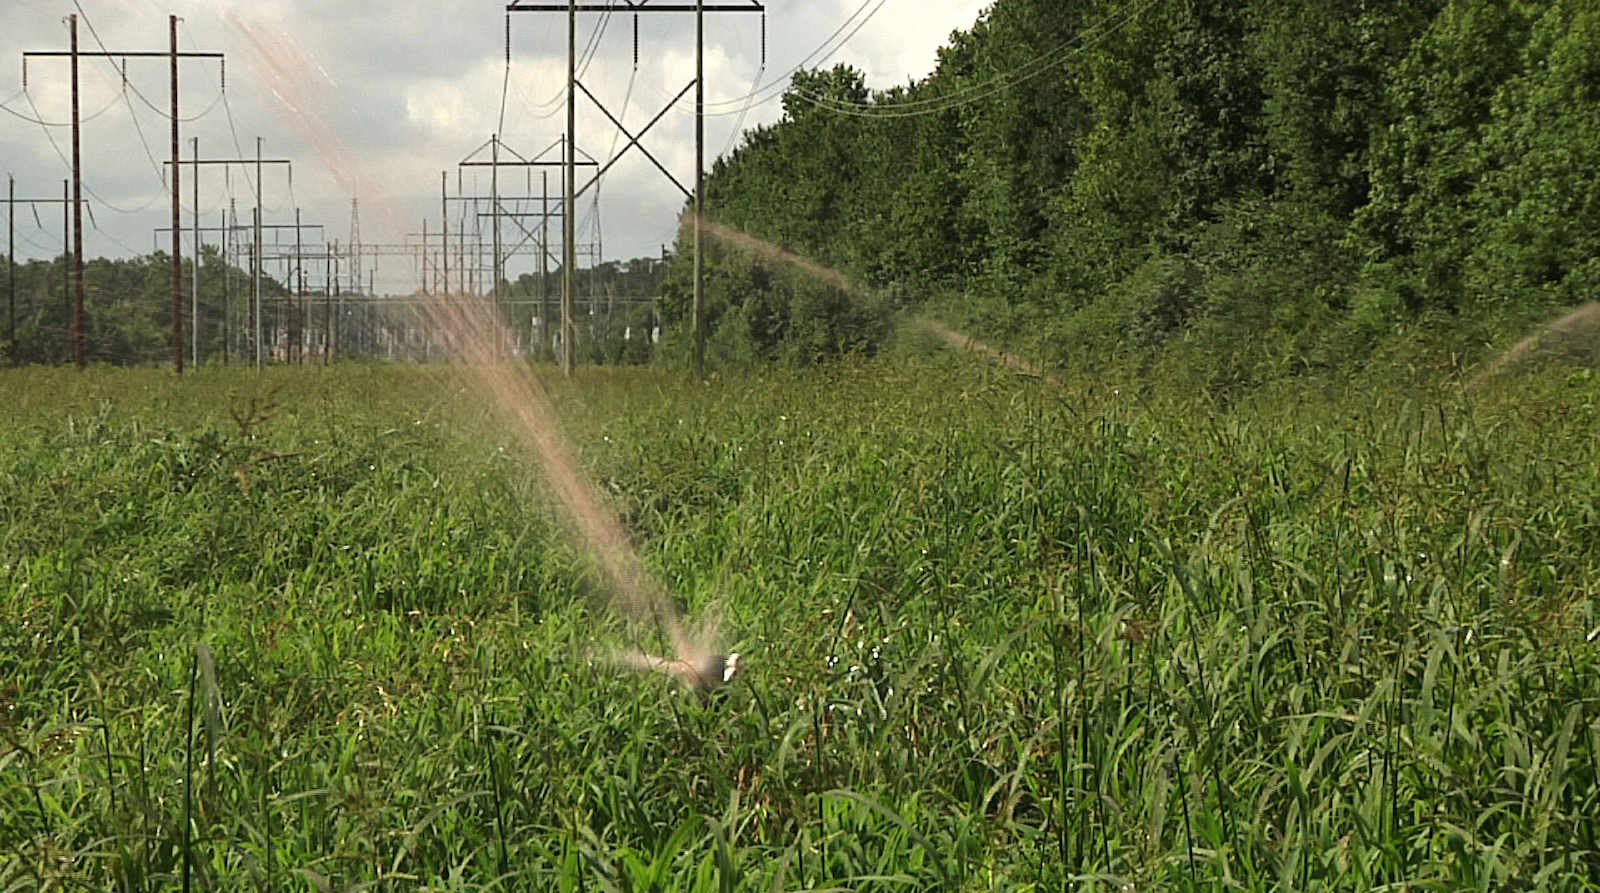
<point>324,630</point>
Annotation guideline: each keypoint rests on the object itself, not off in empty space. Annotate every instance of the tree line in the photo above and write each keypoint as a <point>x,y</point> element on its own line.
<point>1244,187</point>
<point>128,313</point>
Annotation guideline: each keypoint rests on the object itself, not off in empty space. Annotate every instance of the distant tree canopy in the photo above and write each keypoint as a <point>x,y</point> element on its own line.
<point>128,310</point>
<point>1264,184</point>
<point>127,307</point>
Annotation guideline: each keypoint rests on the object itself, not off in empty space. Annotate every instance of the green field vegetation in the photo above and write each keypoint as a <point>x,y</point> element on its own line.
<point>321,630</point>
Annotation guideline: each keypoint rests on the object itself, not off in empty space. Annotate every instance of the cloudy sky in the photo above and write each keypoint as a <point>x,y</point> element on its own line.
<point>375,100</point>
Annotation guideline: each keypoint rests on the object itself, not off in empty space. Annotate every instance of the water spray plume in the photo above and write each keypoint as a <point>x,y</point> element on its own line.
<point>1575,336</point>
<point>957,340</point>
<point>937,330</point>
<point>477,338</point>
<point>729,236</point>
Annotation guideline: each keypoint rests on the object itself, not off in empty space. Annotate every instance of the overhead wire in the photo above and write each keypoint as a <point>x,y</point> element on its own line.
<point>215,101</point>
<point>66,162</point>
<point>975,92</point>
<point>133,115</point>
<point>780,84</point>
<point>622,117</point>
<point>89,206</point>
<point>123,71</point>
<point>42,248</point>
<point>82,119</point>
<point>505,81</point>
<point>581,67</point>
<point>227,109</point>
<point>738,126</point>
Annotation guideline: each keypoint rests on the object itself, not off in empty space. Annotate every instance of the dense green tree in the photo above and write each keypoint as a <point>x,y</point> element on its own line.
<point>1255,187</point>
<point>1427,161</point>
<point>127,307</point>
<point>1539,243</point>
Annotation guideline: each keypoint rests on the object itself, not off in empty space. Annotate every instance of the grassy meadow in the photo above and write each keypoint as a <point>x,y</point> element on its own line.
<point>322,629</point>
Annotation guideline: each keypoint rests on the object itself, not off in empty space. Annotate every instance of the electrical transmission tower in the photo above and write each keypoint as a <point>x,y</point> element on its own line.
<point>258,226</point>
<point>497,211</point>
<point>699,8</point>
<point>355,246</point>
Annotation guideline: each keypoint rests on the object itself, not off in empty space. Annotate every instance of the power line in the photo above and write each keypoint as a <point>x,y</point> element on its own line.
<point>591,46</point>
<point>82,120</point>
<point>232,130</point>
<point>968,95</point>
<point>68,164</point>
<point>125,87</point>
<point>775,87</point>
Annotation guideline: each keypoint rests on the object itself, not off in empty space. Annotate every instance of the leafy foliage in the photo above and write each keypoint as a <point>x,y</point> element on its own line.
<point>1332,176</point>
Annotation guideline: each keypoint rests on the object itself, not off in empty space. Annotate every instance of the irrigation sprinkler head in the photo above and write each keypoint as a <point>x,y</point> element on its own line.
<point>703,675</point>
<point>716,671</point>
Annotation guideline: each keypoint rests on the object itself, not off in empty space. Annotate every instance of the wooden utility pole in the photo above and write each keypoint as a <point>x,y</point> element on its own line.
<point>227,235</point>
<point>569,254</point>
<point>699,8</point>
<point>177,235</point>
<point>172,55</point>
<point>77,211</point>
<point>699,360</point>
<point>194,314</point>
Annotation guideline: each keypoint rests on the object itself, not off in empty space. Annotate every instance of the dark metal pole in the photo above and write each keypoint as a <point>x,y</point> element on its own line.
<point>545,333</point>
<point>494,200</point>
<point>11,262</point>
<point>227,283</point>
<point>77,211</point>
<point>338,318</point>
<point>66,258</point>
<point>699,323</point>
<point>194,311</point>
<point>299,292</point>
<point>461,240</point>
<point>177,231</point>
<point>444,219</point>
<point>569,331</point>
<point>255,269</point>
<point>327,303</point>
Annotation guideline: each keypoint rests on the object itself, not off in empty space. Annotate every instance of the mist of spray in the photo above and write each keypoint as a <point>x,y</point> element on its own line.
<point>475,337</point>
<point>1574,336</point>
<point>937,330</point>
